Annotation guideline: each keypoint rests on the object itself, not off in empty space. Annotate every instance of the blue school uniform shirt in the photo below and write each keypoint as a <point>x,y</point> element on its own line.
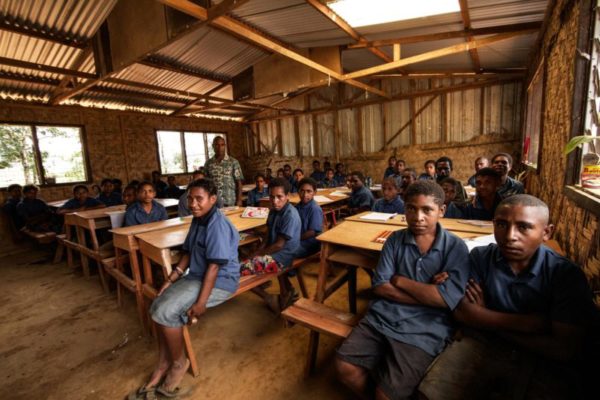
<point>389,171</point>
<point>328,184</point>
<point>394,206</point>
<point>285,223</point>
<point>510,188</point>
<point>452,211</point>
<point>471,182</point>
<point>254,196</point>
<point>113,199</point>
<point>340,179</point>
<point>73,204</point>
<point>479,212</point>
<point>182,207</point>
<point>552,285</point>
<point>311,218</point>
<point>428,328</point>
<point>31,208</point>
<point>136,215</point>
<point>10,208</point>
<point>318,175</point>
<point>427,177</point>
<point>361,198</point>
<point>213,239</point>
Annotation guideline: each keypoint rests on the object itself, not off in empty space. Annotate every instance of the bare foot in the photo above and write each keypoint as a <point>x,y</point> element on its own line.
<point>176,374</point>
<point>158,374</point>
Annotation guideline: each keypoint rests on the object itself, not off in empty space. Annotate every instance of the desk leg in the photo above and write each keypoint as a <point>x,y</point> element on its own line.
<point>119,267</point>
<point>84,259</point>
<point>323,273</point>
<point>139,297</point>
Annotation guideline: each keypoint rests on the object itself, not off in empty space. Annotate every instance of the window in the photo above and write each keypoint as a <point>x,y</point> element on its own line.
<point>41,154</point>
<point>533,119</point>
<point>181,152</point>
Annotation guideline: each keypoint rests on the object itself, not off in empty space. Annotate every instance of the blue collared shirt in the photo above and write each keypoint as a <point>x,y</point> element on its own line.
<point>328,184</point>
<point>478,211</point>
<point>182,207</point>
<point>394,206</point>
<point>427,177</point>
<point>471,182</point>
<point>113,199</point>
<point>311,218</point>
<point>31,208</point>
<point>389,171</point>
<point>10,208</point>
<point>285,223</point>
<point>73,204</point>
<point>136,215</point>
<point>340,179</point>
<point>213,239</point>
<point>552,285</point>
<point>427,328</point>
<point>318,175</point>
<point>254,196</point>
<point>361,198</point>
<point>452,211</point>
<point>510,188</point>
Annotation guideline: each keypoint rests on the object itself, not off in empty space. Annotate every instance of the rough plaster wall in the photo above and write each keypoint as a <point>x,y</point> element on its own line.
<point>576,229</point>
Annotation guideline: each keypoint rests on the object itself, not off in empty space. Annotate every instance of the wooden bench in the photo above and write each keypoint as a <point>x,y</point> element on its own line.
<point>319,318</point>
<point>246,284</point>
<point>40,237</point>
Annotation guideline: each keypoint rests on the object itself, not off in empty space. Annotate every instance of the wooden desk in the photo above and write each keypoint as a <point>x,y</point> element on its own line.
<point>451,224</point>
<point>168,203</point>
<point>295,197</point>
<point>57,203</point>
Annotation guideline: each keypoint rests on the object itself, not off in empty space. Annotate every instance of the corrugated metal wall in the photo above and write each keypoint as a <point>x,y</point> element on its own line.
<point>456,116</point>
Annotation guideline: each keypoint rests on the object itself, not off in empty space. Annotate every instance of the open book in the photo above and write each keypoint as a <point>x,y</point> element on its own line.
<point>255,212</point>
<point>377,216</point>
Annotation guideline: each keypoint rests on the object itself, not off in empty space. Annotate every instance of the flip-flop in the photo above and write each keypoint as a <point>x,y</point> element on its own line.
<point>143,393</point>
<point>162,389</point>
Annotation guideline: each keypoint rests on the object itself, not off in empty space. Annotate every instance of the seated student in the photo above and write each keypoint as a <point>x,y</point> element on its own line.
<point>340,174</point>
<point>206,276</point>
<point>443,167</point>
<point>129,195</point>
<point>449,187</point>
<point>280,173</point>
<point>502,163</point>
<point>329,180</point>
<point>182,208</point>
<point>389,171</point>
<point>172,191</point>
<point>268,175</point>
<point>483,206</point>
<point>34,212</point>
<point>398,170</point>
<point>429,174</point>
<point>297,177</point>
<point>277,251</point>
<point>311,218</point>
<point>419,280</point>
<point>326,165</point>
<point>409,176</point>
<point>287,173</point>
<point>96,191</point>
<point>361,198</point>
<point>529,317</point>
<point>480,162</point>
<point>145,209</point>
<point>259,192</point>
<point>108,196</point>
<point>134,182</point>
<point>391,201</point>
<point>81,201</point>
<point>10,206</point>
<point>318,175</point>
<point>159,184</point>
<point>117,185</point>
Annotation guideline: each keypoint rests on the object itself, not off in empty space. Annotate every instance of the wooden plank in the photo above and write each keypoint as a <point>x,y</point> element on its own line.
<point>317,322</point>
<point>410,122</point>
<point>224,7</point>
<point>430,55</point>
<point>448,35</point>
<point>47,68</point>
<point>464,12</point>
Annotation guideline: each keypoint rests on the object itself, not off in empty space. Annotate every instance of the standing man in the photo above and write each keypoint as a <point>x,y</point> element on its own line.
<point>227,174</point>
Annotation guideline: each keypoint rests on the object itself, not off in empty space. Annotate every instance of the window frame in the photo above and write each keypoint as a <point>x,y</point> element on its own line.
<point>183,149</point>
<point>38,155</point>
<point>540,72</point>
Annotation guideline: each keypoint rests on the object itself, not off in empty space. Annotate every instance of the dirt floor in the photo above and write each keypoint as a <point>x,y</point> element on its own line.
<point>62,337</point>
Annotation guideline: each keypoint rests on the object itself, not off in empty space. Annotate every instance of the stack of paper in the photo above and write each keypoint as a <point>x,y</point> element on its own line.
<point>479,241</point>
<point>377,216</point>
<point>337,193</point>
<point>476,222</point>
<point>322,199</point>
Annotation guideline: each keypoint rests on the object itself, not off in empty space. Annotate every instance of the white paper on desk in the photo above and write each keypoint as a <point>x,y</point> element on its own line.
<point>322,199</point>
<point>377,216</point>
<point>476,222</point>
<point>338,194</point>
<point>116,218</point>
<point>255,212</point>
<point>479,241</point>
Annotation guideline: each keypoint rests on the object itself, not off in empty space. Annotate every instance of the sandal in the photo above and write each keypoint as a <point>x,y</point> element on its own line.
<point>162,389</point>
<point>143,393</point>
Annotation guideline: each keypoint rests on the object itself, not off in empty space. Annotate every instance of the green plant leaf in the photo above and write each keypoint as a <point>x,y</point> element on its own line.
<point>577,141</point>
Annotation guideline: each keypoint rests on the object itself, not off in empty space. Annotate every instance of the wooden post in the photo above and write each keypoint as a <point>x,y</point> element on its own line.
<point>413,123</point>
<point>359,129</point>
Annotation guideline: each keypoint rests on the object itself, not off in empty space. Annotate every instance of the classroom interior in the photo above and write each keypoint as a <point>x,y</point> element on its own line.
<point>284,82</point>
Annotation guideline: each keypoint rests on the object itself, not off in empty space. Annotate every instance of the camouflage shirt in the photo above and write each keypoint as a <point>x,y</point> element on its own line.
<point>224,174</point>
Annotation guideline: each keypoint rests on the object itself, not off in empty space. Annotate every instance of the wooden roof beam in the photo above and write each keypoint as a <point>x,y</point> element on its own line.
<point>464,12</point>
<point>45,33</point>
<point>46,68</point>
<point>81,58</point>
<point>260,39</point>
<point>449,35</point>
<point>430,55</point>
<point>340,22</point>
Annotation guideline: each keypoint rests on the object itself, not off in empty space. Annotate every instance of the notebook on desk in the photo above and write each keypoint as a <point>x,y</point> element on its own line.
<point>255,212</point>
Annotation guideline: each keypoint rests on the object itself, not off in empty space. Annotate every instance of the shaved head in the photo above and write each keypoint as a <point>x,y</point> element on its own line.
<point>527,200</point>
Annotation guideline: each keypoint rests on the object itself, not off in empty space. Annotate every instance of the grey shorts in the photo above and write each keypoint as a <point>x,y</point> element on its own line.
<point>396,367</point>
<point>170,308</point>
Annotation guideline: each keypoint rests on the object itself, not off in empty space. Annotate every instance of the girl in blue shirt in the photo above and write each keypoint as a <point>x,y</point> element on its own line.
<point>391,201</point>
<point>311,218</point>
<point>80,201</point>
<point>259,192</point>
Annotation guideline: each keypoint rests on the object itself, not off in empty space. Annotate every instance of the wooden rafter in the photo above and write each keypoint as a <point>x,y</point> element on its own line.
<point>494,30</point>
<point>46,68</point>
<point>466,17</point>
<point>340,22</point>
<point>180,69</point>
<point>44,33</point>
<point>410,121</point>
<point>260,39</point>
<point>223,8</point>
<point>81,58</point>
<point>430,55</point>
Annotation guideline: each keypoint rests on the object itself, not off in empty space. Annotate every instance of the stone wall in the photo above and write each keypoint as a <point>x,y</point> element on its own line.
<point>576,228</point>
